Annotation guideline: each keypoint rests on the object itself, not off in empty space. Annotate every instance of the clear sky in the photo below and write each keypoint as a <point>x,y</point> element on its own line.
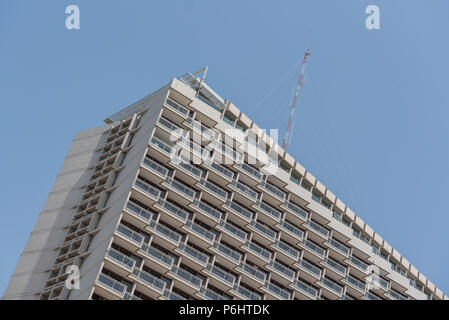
<point>372,121</point>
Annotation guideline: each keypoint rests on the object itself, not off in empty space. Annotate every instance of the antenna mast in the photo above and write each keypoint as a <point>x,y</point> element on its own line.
<point>292,111</point>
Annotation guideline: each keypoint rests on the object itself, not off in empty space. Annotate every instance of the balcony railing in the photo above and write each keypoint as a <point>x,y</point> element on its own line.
<point>296,210</point>
<point>332,285</point>
<point>264,253</point>
<point>396,295</point>
<point>130,234</point>
<point>292,229</point>
<point>199,230</point>
<point>357,262</point>
<point>169,295</point>
<point>212,294</point>
<point>155,166</point>
<point>112,283</point>
<point>240,210</point>
<point>161,145</point>
<point>169,125</point>
<point>205,131</point>
<point>227,277</point>
<point>247,293</point>
<point>340,247</point>
<point>187,276</point>
<point>194,254</point>
<point>188,167</point>
<point>146,215</point>
<point>250,170</point>
<point>158,255</point>
<point>166,232</point>
<point>253,271</point>
<point>223,170</point>
<point>305,288</point>
<point>234,255</point>
<point>288,249</point>
<point>289,273</point>
<point>270,210</point>
<point>121,258</point>
<point>277,290</point>
<point>234,230</point>
<point>310,267</point>
<point>181,187</point>
<point>149,279</point>
<point>177,107</point>
<point>318,228</point>
<point>355,282</point>
<point>263,229</point>
<point>335,265</point>
<point>273,190</point>
<point>152,191</point>
<point>315,248</point>
<point>207,209</point>
<point>212,187</point>
<point>174,209</point>
<point>245,189</point>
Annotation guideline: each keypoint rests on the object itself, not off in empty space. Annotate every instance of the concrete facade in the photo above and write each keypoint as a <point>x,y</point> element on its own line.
<point>140,225</point>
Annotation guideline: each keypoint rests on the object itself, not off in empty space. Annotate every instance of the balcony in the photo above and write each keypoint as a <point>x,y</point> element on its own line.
<point>138,215</point>
<point>287,251</point>
<point>121,264</point>
<point>163,261</point>
<point>239,212</point>
<point>200,233</point>
<point>170,127</point>
<point>169,295</point>
<point>150,192</point>
<point>224,279</point>
<point>175,215</point>
<point>335,268</point>
<point>286,274</point>
<point>262,233</point>
<point>152,286</point>
<point>219,172</point>
<point>232,256</point>
<point>153,170</point>
<point>227,151</point>
<point>270,215</point>
<point>338,248</point>
<point>187,171</point>
<point>177,108</point>
<point>115,289</point>
<point>395,296</point>
<point>197,257</point>
<point>305,290</point>
<point>296,214</point>
<point>277,196</point>
<point>129,296</point>
<point>261,254</point>
<point>212,295</point>
<point>317,229</point>
<point>208,212</point>
<point>377,284</point>
<point>162,147</point>
<point>249,171</point>
<point>189,282</point>
<point>360,267</point>
<point>293,233</point>
<point>167,235</point>
<point>244,191</point>
<point>276,292</point>
<point>187,194</point>
<point>244,293</point>
<point>331,287</point>
<point>128,238</point>
<point>236,235</point>
<point>219,195</point>
<point>252,275</point>
<point>205,132</point>
<point>355,286</point>
<point>317,252</point>
<point>311,272</point>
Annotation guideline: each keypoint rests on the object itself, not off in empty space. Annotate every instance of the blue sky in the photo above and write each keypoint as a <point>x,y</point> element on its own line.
<point>372,121</point>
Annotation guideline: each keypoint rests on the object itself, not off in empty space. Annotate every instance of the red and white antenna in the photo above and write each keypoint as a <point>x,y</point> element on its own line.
<point>292,112</point>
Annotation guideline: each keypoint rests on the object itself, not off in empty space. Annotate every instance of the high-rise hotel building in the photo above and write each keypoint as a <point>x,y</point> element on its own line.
<point>182,196</point>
